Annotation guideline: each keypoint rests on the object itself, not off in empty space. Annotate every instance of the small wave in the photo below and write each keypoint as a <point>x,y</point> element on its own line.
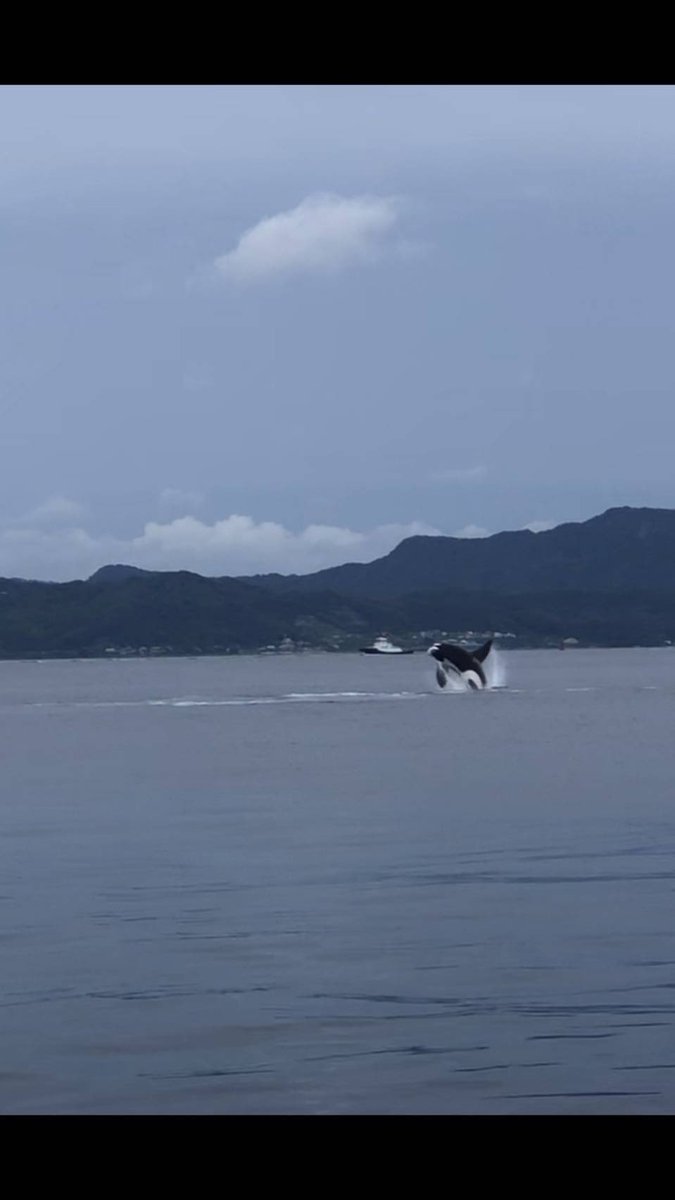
<point>232,702</point>
<point>353,695</point>
<point>330,695</point>
<point>218,703</point>
<point>290,698</point>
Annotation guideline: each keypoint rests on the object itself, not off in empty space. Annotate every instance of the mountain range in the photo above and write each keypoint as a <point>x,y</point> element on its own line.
<point>606,581</point>
<point>623,549</point>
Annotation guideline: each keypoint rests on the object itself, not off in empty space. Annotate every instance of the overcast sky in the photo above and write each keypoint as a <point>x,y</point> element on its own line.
<point>276,328</point>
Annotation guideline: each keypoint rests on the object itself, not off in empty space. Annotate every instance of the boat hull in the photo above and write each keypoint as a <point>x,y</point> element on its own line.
<point>385,653</point>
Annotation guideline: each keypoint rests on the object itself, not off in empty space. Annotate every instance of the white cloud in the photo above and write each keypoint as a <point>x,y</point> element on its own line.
<point>235,545</point>
<point>50,543</point>
<point>324,233</point>
<point>238,545</point>
<point>58,510</point>
<point>33,553</point>
<point>472,531</point>
<point>540,526</point>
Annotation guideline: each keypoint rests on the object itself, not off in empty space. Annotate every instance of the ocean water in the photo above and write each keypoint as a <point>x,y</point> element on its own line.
<point>316,884</point>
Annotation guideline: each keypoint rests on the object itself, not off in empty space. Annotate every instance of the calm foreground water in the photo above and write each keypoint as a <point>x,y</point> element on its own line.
<point>315,884</point>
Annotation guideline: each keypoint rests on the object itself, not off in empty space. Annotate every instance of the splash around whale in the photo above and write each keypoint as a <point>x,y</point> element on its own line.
<point>455,662</point>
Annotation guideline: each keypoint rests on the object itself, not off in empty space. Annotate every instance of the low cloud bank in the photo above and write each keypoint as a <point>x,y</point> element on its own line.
<point>235,545</point>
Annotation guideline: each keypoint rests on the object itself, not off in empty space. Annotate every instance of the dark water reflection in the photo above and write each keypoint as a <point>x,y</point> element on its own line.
<point>313,885</point>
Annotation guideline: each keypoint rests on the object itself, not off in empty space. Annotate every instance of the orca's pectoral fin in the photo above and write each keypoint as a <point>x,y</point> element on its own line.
<point>441,677</point>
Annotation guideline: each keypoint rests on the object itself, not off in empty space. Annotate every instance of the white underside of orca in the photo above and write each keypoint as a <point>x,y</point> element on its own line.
<point>470,679</point>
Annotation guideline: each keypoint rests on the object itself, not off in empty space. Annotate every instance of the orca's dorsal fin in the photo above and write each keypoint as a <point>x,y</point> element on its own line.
<point>482,652</point>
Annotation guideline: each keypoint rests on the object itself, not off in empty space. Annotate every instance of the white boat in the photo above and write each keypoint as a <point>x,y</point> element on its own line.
<point>382,645</point>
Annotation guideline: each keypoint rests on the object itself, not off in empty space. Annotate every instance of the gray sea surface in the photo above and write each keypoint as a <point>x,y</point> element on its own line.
<point>317,884</point>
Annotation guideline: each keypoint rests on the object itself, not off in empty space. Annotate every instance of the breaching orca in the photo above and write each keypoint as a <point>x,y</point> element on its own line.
<point>465,663</point>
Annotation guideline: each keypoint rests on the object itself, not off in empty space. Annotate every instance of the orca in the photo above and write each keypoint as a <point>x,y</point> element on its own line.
<point>467,664</point>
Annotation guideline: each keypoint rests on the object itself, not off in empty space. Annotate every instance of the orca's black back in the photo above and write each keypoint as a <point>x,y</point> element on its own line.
<point>457,655</point>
